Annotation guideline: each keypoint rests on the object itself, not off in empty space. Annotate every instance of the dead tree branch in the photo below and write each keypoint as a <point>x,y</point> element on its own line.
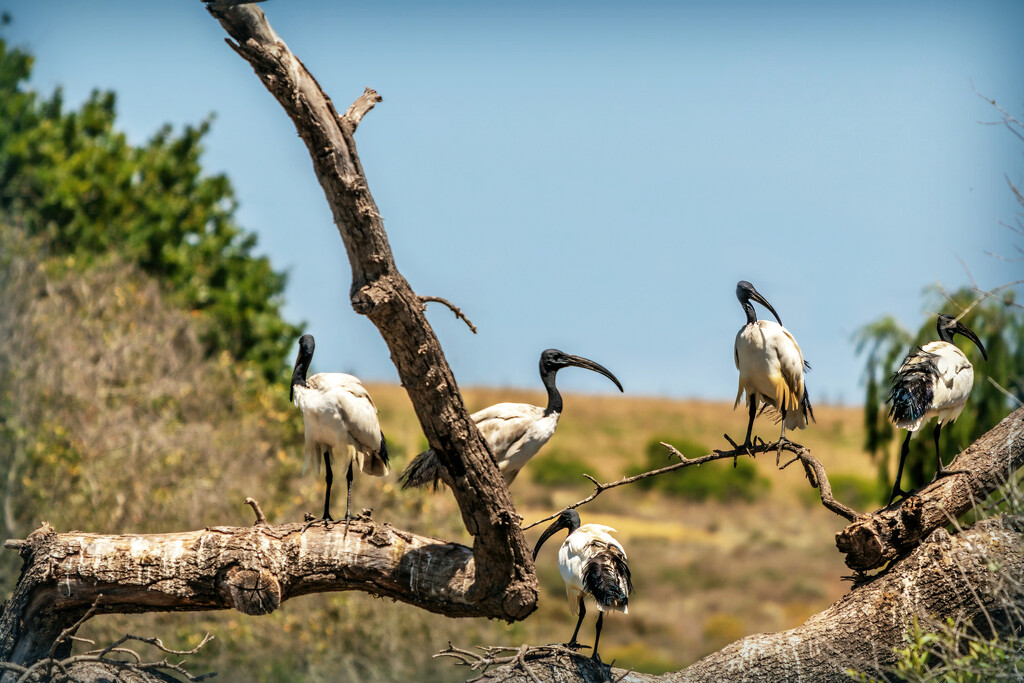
<point>251,569</point>
<point>505,583</point>
<point>945,577</point>
<point>452,307</point>
<point>814,469</point>
<point>873,540</point>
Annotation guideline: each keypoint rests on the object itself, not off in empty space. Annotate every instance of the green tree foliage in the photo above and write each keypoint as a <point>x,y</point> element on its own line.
<point>73,179</point>
<point>998,382</point>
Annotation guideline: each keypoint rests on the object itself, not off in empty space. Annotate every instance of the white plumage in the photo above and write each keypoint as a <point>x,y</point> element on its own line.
<point>933,382</point>
<point>771,366</point>
<point>339,417</point>
<point>771,370</point>
<point>579,548</point>
<point>592,563</point>
<point>951,385</point>
<point>340,423</point>
<point>514,432</point>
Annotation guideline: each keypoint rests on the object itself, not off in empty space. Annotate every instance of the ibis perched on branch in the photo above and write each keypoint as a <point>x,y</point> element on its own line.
<point>933,381</point>
<point>513,431</point>
<point>592,563</point>
<point>771,366</point>
<point>340,420</point>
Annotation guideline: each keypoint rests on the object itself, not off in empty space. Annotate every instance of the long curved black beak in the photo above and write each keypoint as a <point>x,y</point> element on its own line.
<point>587,364</point>
<point>756,296</point>
<point>969,333</point>
<point>569,519</point>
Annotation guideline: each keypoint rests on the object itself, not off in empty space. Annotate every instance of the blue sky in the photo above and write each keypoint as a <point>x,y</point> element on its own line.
<point>597,176</point>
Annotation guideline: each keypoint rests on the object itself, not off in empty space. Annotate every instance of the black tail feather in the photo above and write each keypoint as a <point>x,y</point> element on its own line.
<point>913,388</point>
<point>383,452</point>
<point>606,577</point>
<point>423,470</point>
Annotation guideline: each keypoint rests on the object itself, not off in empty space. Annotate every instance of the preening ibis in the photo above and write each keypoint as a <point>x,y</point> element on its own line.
<point>340,420</point>
<point>933,381</point>
<point>592,563</point>
<point>771,366</point>
<point>514,431</point>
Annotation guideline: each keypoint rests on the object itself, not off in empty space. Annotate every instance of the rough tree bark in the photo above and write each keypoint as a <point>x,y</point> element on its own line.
<point>69,576</point>
<point>505,584</point>
<point>875,539</point>
<point>960,576</point>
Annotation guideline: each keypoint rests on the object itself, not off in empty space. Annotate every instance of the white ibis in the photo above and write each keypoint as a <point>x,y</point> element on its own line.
<point>592,563</point>
<point>514,431</point>
<point>340,420</point>
<point>771,366</point>
<point>933,381</point>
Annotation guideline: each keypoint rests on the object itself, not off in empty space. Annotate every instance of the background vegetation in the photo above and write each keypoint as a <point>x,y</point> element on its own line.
<point>143,388</point>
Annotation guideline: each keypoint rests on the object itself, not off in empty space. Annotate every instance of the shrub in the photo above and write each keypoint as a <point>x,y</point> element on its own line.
<point>557,469</point>
<point>703,482</point>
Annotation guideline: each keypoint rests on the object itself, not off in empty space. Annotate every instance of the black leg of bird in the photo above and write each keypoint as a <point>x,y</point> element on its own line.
<point>938,454</point>
<point>348,497</point>
<point>750,423</point>
<point>941,471</point>
<point>330,480</point>
<point>896,490</point>
<point>600,620</point>
<point>583,613</point>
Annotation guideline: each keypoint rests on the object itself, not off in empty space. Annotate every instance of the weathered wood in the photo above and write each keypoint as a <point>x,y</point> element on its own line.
<point>947,576</point>
<point>505,580</point>
<point>883,536</point>
<point>251,569</point>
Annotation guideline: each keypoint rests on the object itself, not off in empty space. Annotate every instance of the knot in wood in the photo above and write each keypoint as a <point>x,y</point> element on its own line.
<point>252,592</point>
<point>862,545</point>
<point>519,601</point>
<point>366,298</point>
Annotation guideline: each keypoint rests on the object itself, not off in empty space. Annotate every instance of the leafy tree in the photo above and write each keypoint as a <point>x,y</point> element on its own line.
<point>72,178</point>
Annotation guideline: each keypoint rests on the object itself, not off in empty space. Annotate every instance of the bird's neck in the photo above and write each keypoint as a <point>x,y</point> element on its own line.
<point>946,335</point>
<point>298,376</point>
<point>554,398</point>
<point>748,308</point>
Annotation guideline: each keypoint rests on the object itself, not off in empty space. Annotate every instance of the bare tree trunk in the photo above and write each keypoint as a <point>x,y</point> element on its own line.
<point>505,581</point>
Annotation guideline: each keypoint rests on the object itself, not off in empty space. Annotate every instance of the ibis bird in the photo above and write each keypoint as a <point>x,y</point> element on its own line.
<point>340,420</point>
<point>514,431</point>
<point>933,381</point>
<point>771,366</point>
<point>592,563</point>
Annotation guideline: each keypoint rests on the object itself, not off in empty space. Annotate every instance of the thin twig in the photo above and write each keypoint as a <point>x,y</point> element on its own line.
<point>155,642</point>
<point>521,662</point>
<point>71,630</point>
<point>452,307</point>
<point>759,446</point>
<point>1005,392</point>
<point>260,518</point>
